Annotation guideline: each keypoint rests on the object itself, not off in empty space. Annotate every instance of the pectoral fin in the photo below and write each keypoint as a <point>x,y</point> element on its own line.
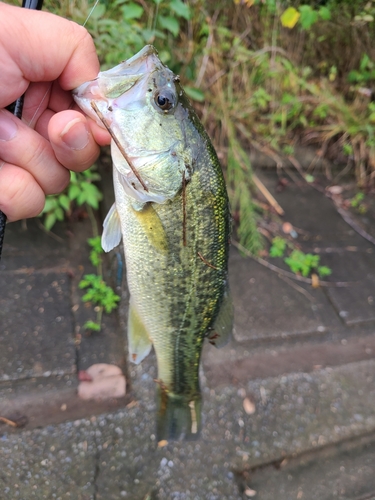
<point>153,228</point>
<point>139,343</point>
<point>223,326</point>
<point>111,236</point>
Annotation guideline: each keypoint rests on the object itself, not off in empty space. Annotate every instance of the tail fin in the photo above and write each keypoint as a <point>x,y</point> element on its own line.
<point>177,418</point>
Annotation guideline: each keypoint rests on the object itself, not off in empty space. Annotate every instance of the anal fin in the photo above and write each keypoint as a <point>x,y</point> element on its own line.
<point>139,343</point>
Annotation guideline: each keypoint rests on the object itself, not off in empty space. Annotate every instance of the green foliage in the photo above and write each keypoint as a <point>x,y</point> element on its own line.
<point>264,73</point>
<point>357,203</point>
<point>239,176</point>
<point>298,261</point>
<point>305,263</point>
<point>96,251</point>
<point>54,209</point>
<point>92,325</point>
<point>98,292</point>
<point>135,25</point>
<point>365,72</point>
<point>309,16</point>
<point>305,16</point>
<point>356,200</point>
<point>278,247</point>
<point>80,191</point>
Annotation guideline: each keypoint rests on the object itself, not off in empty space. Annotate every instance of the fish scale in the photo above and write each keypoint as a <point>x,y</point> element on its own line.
<point>175,229</point>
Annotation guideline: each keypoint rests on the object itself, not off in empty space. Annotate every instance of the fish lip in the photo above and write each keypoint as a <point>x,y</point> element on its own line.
<point>142,63</point>
<point>144,53</point>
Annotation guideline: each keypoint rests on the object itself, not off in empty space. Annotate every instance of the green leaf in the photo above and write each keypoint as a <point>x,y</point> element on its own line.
<point>51,204</point>
<point>49,221</point>
<point>170,23</point>
<point>98,12</point>
<point>88,297</point>
<point>59,212</point>
<point>88,280</point>
<point>132,11</point>
<point>92,325</point>
<point>181,9</point>
<point>278,247</point>
<point>73,191</point>
<point>95,258</point>
<point>325,13</point>
<point>64,202</point>
<point>324,271</point>
<point>96,244</point>
<point>365,62</point>
<point>89,194</point>
<point>300,262</point>
<point>194,94</point>
<point>309,16</point>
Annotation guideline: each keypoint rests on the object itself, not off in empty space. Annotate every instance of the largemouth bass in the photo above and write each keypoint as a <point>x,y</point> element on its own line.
<point>172,212</point>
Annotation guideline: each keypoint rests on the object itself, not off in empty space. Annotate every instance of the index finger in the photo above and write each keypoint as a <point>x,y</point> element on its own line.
<point>38,46</point>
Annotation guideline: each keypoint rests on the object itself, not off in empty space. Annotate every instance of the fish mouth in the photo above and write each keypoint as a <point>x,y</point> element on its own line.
<point>148,57</point>
<point>113,83</point>
<point>144,62</point>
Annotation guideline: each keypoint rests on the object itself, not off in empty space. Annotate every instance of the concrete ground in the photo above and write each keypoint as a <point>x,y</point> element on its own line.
<point>289,404</point>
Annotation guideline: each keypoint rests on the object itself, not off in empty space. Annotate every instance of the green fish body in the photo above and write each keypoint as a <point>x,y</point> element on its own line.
<point>175,223</point>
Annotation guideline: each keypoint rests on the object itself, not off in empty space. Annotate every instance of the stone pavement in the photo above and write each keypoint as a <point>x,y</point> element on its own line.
<point>289,403</point>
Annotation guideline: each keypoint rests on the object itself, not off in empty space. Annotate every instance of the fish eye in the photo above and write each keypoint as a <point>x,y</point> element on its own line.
<point>165,99</point>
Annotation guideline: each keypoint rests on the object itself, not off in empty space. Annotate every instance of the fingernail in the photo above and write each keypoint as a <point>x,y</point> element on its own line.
<point>75,135</point>
<point>8,128</point>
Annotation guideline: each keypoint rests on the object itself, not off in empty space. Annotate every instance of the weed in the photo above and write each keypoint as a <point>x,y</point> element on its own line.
<point>357,203</point>
<point>298,261</point>
<point>81,191</point>
<point>266,74</point>
<point>278,247</point>
<point>365,72</point>
<point>97,291</point>
<point>306,263</point>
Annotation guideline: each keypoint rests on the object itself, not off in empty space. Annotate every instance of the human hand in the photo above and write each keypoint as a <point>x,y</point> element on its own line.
<point>46,57</point>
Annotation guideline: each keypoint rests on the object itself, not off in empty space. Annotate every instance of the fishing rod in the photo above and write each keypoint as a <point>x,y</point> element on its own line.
<point>16,108</point>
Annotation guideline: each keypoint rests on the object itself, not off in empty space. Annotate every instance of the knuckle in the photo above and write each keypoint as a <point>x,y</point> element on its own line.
<point>36,155</point>
<point>82,37</point>
<point>60,182</point>
<point>20,196</point>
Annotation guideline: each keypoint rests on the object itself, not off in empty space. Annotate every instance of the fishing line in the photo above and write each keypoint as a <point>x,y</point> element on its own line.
<point>155,18</point>
<point>49,88</point>
<point>90,13</point>
<point>31,122</point>
<point>17,106</point>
